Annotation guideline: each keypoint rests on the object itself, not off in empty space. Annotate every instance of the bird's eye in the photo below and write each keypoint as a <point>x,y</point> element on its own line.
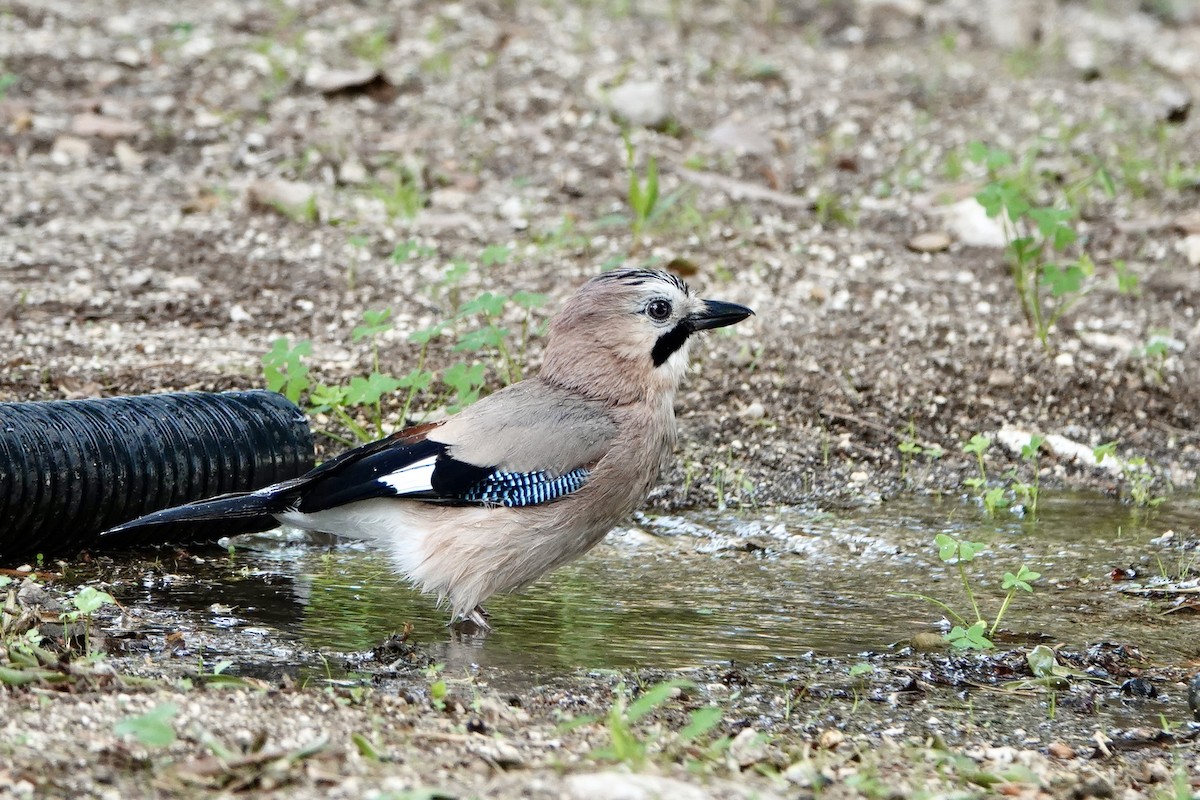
<point>658,310</point>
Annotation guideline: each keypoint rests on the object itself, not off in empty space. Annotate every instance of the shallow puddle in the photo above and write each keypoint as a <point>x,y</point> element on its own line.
<point>684,591</point>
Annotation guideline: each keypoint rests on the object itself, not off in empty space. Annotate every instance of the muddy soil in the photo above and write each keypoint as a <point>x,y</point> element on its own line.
<point>178,189</point>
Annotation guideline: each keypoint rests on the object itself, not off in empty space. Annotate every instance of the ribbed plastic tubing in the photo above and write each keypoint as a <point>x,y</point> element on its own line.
<point>70,469</point>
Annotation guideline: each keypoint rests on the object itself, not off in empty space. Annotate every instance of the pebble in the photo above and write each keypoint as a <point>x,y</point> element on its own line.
<point>104,127</point>
<point>352,171</point>
<point>1188,222</point>
<point>1061,750</point>
<point>68,150</point>
<point>754,411</point>
<point>747,748</point>
<point>271,194</point>
<point>1001,378</point>
<point>1172,104</point>
<point>929,242</point>
<point>328,81</point>
<point>620,786</point>
<point>641,103</point>
<point>890,20</point>
<point>969,223</point>
<point>926,642</point>
<point>1190,247</point>
<point>1012,24</point>
<point>1094,786</point>
<point>830,739</point>
<point>741,138</point>
<point>129,159</point>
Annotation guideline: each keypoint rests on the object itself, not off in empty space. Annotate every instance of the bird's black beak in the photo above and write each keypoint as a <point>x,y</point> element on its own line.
<point>718,314</point>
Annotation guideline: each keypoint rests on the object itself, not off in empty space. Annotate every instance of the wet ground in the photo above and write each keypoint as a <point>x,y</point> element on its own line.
<point>148,155</point>
<point>797,624</point>
<point>700,590</point>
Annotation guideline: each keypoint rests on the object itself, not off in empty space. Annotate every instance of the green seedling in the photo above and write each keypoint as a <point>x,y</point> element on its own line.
<point>437,686</point>
<point>1028,493</point>
<point>407,251</point>
<point>401,194</point>
<point>966,633</point>
<point>1050,272</point>
<point>152,729</point>
<point>7,81</point>
<point>476,325</point>
<point>87,601</point>
<point>1136,472</point>
<point>625,746</point>
<point>642,192</point>
<point>285,370</point>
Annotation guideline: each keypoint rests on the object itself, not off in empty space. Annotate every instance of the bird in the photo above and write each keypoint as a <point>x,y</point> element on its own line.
<point>527,478</point>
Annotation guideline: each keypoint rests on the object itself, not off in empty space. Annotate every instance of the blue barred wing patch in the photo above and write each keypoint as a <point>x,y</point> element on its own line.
<point>517,489</point>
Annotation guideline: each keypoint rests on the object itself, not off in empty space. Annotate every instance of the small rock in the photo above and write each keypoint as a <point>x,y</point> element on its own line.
<point>104,127</point>
<point>889,20</point>
<point>929,242</point>
<point>352,171</point>
<point>741,138</point>
<point>620,786</point>
<point>129,159</point>
<point>1001,379</point>
<point>1094,786</point>
<point>754,411</point>
<point>969,223</point>
<point>33,595</point>
<point>830,739</point>
<point>1188,222</point>
<point>1061,750</point>
<point>1190,247</point>
<point>1012,24</point>
<point>239,314</point>
<point>926,642</point>
<point>68,150</point>
<point>641,103</point>
<point>1081,55</point>
<point>128,57</point>
<point>858,476</point>
<point>1138,687</point>
<point>1172,104</point>
<point>805,775</point>
<point>331,81</point>
<point>497,751</point>
<point>747,748</point>
<point>188,284</point>
<point>1064,360</point>
<point>280,195</point>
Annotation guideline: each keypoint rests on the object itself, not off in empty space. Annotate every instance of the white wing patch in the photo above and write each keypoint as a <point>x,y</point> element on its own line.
<point>413,478</point>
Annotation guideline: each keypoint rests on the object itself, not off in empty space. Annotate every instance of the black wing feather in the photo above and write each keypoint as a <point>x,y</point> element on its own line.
<point>356,475</point>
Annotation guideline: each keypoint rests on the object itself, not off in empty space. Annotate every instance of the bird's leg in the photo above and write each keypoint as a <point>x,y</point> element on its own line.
<point>473,623</point>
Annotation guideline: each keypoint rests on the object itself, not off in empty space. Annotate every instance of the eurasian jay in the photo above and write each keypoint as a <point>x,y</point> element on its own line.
<point>526,479</point>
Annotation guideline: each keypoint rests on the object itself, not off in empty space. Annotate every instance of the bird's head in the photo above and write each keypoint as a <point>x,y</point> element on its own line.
<point>626,333</point>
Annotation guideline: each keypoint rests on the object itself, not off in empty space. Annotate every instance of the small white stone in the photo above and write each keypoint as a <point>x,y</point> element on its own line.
<point>754,411</point>
<point>968,222</point>
<point>1190,247</point>
<point>640,103</point>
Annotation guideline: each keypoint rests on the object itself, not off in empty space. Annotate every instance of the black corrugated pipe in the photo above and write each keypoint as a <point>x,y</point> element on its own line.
<point>70,469</point>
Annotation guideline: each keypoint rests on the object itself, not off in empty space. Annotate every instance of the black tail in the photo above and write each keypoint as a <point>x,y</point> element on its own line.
<point>250,508</point>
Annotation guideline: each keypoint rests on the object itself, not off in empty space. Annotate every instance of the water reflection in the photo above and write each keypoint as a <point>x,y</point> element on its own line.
<point>700,589</point>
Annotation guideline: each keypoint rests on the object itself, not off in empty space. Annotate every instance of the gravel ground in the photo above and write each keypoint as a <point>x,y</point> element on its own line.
<point>178,189</point>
